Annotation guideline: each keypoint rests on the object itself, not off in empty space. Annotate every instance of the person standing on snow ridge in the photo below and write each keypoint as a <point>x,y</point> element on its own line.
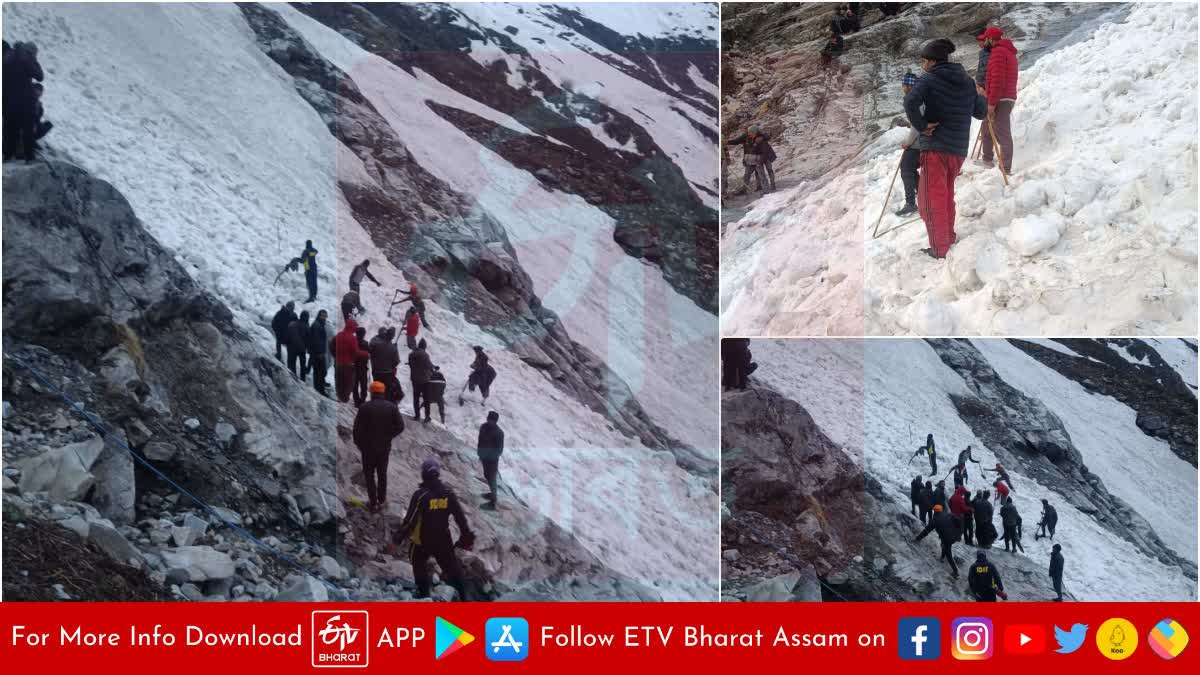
<point>279,326</point>
<point>914,495</point>
<point>963,514</point>
<point>1011,522</point>
<point>317,343</point>
<point>939,494</point>
<point>385,360</point>
<point>1048,522</point>
<point>351,305</point>
<point>1001,97</point>
<point>1056,571</point>
<point>940,107</point>
<point>21,69</point>
<point>482,375</point>
<point>947,533</point>
<point>345,356</point>
<point>929,450</point>
<point>910,161</point>
<point>412,327</point>
<point>419,368</point>
<point>376,424</point>
<point>427,521</point>
<point>984,580</point>
<point>489,448</point>
<point>356,275</point>
<point>985,529</point>
<point>964,457</point>
<point>925,502</point>
<point>362,376</point>
<point>308,258</point>
<point>297,346</point>
<point>435,390</point>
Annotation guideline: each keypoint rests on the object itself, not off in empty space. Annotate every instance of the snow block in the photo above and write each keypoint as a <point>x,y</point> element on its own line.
<point>1031,235</point>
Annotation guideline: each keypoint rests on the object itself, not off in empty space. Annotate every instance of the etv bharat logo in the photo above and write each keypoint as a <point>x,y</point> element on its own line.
<point>339,639</point>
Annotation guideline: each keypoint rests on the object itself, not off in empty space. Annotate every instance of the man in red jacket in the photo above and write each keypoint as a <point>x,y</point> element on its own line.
<point>963,514</point>
<point>345,353</point>
<point>1001,86</point>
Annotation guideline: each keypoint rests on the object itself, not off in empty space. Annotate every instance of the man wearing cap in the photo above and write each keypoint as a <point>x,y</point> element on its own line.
<point>985,53</point>
<point>375,425</point>
<point>984,579</point>
<point>427,521</point>
<point>1001,95</point>
<point>757,158</point>
<point>940,107</point>
<point>947,531</point>
<point>910,161</point>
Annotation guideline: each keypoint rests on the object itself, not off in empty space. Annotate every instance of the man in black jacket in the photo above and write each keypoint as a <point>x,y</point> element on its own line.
<point>385,359</point>
<point>939,494</point>
<point>435,391</point>
<point>297,336</point>
<point>735,362</point>
<point>940,107</point>
<point>914,494</point>
<point>279,326</point>
<point>1011,521</point>
<point>1048,522</point>
<point>317,344</point>
<point>375,425</point>
<point>981,66</point>
<point>910,160</point>
<point>1056,571</point>
<point>427,521</point>
<point>758,158</point>
<point>925,502</point>
<point>362,371</point>
<point>419,368</point>
<point>21,69</point>
<point>985,530</point>
<point>947,532</point>
<point>984,579</point>
<point>489,448</point>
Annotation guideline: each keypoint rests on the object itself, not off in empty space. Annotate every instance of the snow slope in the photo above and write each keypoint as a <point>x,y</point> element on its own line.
<point>907,389</point>
<point>1097,233</point>
<point>618,307</point>
<point>825,375</point>
<point>234,170</point>
<point>1179,356</point>
<point>793,264</point>
<point>1141,470</point>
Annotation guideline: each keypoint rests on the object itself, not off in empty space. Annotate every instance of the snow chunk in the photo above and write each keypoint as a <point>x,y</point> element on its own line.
<point>1031,235</point>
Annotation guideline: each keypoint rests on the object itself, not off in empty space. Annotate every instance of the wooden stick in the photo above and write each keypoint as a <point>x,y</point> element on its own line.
<point>975,152</point>
<point>889,196</point>
<point>893,229</point>
<point>999,155</point>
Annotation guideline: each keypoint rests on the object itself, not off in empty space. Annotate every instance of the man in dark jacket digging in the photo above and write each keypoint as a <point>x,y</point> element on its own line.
<point>490,447</point>
<point>435,391</point>
<point>949,98</point>
<point>1001,91</point>
<point>375,425</point>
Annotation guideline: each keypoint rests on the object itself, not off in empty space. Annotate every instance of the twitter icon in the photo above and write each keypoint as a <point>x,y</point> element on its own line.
<point>1070,640</point>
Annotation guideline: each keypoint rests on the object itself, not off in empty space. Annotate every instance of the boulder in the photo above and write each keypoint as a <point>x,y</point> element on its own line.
<point>184,536</point>
<point>77,525</point>
<point>331,569</point>
<point>777,589</point>
<point>115,492</point>
<point>64,473</point>
<point>302,588</point>
<point>202,563</point>
<point>114,544</point>
<point>159,451</point>
<point>227,515</point>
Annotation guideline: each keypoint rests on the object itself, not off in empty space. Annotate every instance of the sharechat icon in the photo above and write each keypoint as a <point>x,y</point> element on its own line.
<point>1069,641</point>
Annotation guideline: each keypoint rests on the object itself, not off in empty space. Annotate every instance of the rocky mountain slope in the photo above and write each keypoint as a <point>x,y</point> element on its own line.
<point>372,131</point>
<point>832,429</point>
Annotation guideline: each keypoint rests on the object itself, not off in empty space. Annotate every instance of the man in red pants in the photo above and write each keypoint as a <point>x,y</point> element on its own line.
<point>940,106</point>
<point>1001,91</point>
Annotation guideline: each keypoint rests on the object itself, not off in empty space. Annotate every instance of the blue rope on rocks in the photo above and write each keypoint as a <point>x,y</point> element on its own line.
<point>108,436</point>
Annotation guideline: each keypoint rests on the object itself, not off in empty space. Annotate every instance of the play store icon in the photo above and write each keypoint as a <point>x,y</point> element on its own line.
<point>450,638</point>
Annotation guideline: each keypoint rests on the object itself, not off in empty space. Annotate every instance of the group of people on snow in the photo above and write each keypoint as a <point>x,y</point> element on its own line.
<point>22,114</point>
<point>367,373</point>
<point>940,105</point>
<point>969,519</point>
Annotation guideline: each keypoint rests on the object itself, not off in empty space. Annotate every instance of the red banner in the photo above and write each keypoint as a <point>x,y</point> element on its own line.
<point>197,638</point>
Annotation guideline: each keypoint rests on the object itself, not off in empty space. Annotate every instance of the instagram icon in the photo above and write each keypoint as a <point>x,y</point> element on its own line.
<point>972,638</point>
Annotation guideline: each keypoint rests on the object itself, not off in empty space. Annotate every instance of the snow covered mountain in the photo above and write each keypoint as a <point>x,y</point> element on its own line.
<point>1103,429</point>
<point>545,174</point>
<point>1093,236</point>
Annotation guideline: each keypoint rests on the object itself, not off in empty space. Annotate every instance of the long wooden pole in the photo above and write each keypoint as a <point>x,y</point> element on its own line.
<point>889,196</point>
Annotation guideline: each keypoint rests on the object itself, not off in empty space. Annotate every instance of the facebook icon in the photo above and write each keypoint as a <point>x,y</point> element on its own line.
<point>920,639</point>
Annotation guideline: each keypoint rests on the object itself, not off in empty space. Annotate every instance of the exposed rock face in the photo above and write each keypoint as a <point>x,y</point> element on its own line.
<point>788,487</point>
<point>426,228</point>
<point>1022,432</point>
<point>1153,388</point>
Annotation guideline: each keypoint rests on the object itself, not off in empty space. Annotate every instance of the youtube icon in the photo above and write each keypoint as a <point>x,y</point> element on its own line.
<point>1024,639</point>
